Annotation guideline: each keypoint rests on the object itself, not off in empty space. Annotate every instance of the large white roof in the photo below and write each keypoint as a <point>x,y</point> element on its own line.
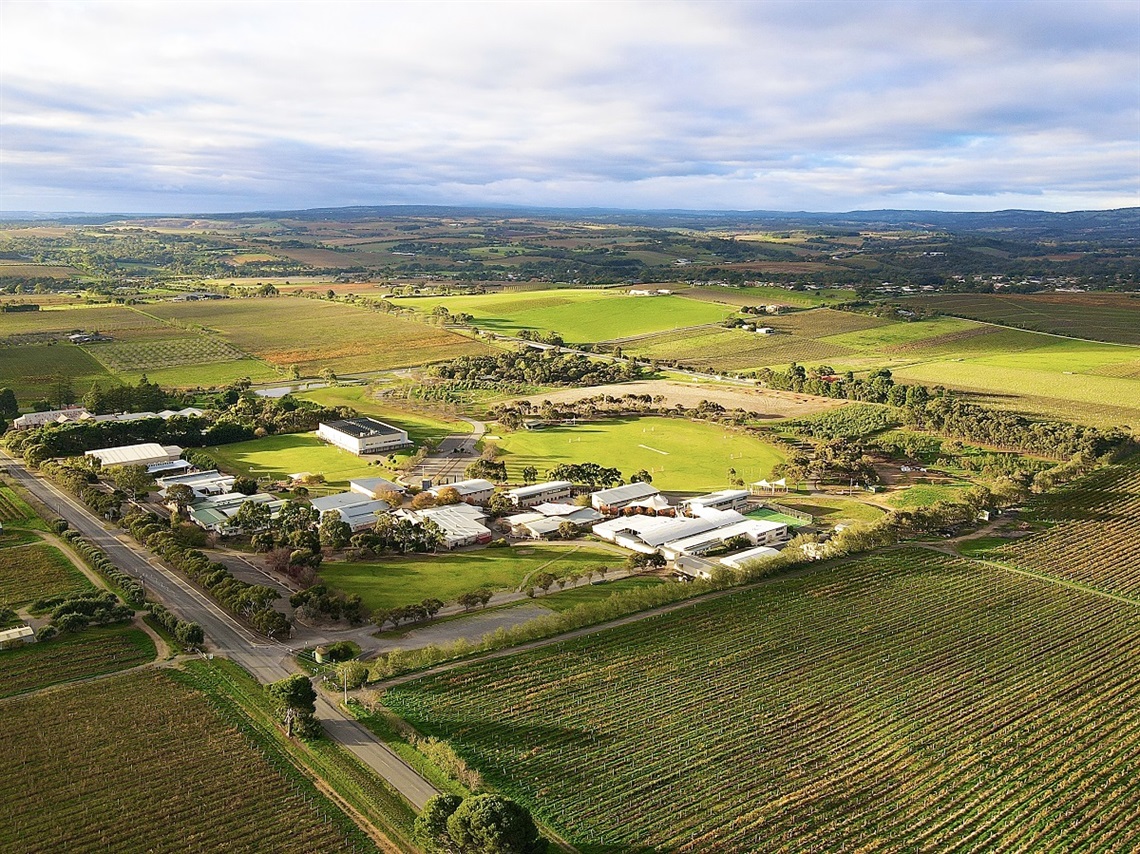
<point>125,455</point>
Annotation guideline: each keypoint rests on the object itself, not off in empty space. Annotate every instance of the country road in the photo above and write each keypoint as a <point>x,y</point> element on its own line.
<point>266,660</point>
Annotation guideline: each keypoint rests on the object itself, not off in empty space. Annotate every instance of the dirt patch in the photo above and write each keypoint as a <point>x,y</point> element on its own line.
<point>767,402</point>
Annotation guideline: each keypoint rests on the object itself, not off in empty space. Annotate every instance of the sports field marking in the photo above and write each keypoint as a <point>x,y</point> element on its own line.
<point>655,450</point>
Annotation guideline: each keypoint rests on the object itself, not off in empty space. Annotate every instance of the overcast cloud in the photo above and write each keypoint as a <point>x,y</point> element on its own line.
<point>225,106</point>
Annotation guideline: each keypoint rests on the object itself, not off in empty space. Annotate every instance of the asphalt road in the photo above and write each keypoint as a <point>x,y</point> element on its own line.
<point>266,660</point>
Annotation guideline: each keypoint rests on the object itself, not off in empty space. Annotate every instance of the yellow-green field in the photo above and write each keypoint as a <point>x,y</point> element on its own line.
<point>578,315</point>
<point>681,455</point>
<point>277,457</point>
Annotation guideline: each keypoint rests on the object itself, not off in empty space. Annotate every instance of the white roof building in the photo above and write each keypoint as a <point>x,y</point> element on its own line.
<point>724,499</point>
<point>759,532</point>
<point>144,454</point>
<point>545,519</point>
<point>203,483</point>
<point>50,416</point>
<point>475,491</point>
<point>356,510</point>
<point>621,496</point>
<point>537,493</point>
<point>462,524</point>
<point>374,487</point>
<point>364,435</point>
<point>20,633</point>
<point>736,561</point>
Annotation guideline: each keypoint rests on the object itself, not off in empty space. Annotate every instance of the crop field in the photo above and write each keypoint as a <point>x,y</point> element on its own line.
<point>34,571</point>
<point>115,320</point>
<point>1100,316</point>
<point>30,370</point>
<point>823,322</point>
<point>733,349</point>
<point>399,581</point>
<point>91,652</point>
<point>151,765</point>
<point>763,295</point>
<point>909,701</point>
<point>145,356</point>
<point>209,375</point>
<point>277,457</point>
<point>680,454</point>
<point>578,315</point>
<point>316,334</point>
<point>40,271</point>
<point>14,510</point>
<point>1093,540</point>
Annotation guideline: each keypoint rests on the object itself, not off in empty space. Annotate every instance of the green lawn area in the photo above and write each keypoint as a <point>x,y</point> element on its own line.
<point>923,495</point>
<point>209,375</point>
<point>277,457</point>
<point>773,516</point>
<point>682,455</point>
<point>578,315</point>
<point>829,510</point>
<point>402,580</point>
<point>420,427</point>
<point>566,599</point>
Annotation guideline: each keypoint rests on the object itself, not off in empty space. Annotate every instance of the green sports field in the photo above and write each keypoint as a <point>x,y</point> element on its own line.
<point>277,457</point>
<point>578,315</point>
<point>681,455</point>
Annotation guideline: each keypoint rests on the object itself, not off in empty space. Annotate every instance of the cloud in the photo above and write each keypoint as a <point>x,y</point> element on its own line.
<point>219,106</point>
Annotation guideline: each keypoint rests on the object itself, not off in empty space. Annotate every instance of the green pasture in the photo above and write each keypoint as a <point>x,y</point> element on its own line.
<point>276,457</point>
<point>764,295</point>
<point>402,580</point>
<point>681,455</point>
<point>900,333</point>
<point>925,494</point>
<point>831,510</point>
<point>208,375</point>
<point>577,315</point>
<point>30,370</point>
<point>734,350</point>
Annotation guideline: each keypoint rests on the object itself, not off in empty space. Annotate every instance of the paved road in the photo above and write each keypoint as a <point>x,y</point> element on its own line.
<point>454,453</point>
<point>267,660</point>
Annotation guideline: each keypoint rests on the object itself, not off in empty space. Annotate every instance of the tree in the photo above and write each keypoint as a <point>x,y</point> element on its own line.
<point>641,477</point>
<point>296,703</point>
<point>424,500</point>
<point>492,824</point>
<point>134,480</point>
<point>447,495</point>
<point>9,407</point>
<point>492,470</point>
<point>431,824</point>
<point>180,495</point>
<point>334,531</point>
<point>529,474</point>
<point>252,516</point>
<point>567,530</point>
<point>245,485</point>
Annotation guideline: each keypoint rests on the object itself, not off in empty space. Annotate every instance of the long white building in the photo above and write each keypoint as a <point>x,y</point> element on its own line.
<point>540,493</point>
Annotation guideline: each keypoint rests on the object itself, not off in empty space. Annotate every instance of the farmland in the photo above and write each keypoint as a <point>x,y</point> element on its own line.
<point>36,571</point>
<point>1100,316</point>
<point>900,702</point>
<point>421,427</point>
<point>30,370</point>
<point>578,315</point>
<point>680,454</point>
<point>402,580</point>
<point>150,764</point>
<point>316,334</point>
<point>1092,538</point>
<point>91,652</point>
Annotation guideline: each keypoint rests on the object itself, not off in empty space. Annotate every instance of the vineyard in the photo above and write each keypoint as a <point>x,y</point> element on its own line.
<point>143,762</point>
<point>733,350</point>
<point>127,356</point>
<point>907,701</point>
<point>34,571</point>
<point>75,656</point>
<point>1094,540</point>
<point>13,508</point>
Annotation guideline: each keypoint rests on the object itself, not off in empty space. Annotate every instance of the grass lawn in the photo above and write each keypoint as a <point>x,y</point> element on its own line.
<point>578,315</point>
<point>773,516</point>
<point>403,580</point>
<point>277,457</point>
<point>420,427</point>
<point>567,599</point>
<point>208,375</point>
<point>923,495</point>
<point>832,510</point>
<point>682,455</point>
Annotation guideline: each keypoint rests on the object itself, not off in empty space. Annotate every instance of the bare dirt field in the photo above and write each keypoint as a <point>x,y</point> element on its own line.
<point>766,402</point>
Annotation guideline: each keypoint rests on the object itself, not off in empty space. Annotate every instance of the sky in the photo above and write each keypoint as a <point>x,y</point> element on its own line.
<point>206,106</point>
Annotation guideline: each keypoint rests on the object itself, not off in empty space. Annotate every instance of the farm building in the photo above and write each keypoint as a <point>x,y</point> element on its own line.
<point>170,469</point>
<point>357,511</point>
<point>538,493</point>
<point>203,483</point>
<point>374,487</point>
<point>544,520</point>
<point>759,532</point>
<point>146,454</point>
<point>477,491</point>
<point>612,500</point>
<point>16,636</point>
<point>736,561</point>
<point>216,513</point>
<point>461,524</point>
<point>725,499</point>
<point>50,416</point>
<point>765,330</point>
<point>364,435</point>
<point>692,568</point>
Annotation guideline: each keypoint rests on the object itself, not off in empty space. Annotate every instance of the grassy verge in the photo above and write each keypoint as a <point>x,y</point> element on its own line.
<point>231,688</point>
